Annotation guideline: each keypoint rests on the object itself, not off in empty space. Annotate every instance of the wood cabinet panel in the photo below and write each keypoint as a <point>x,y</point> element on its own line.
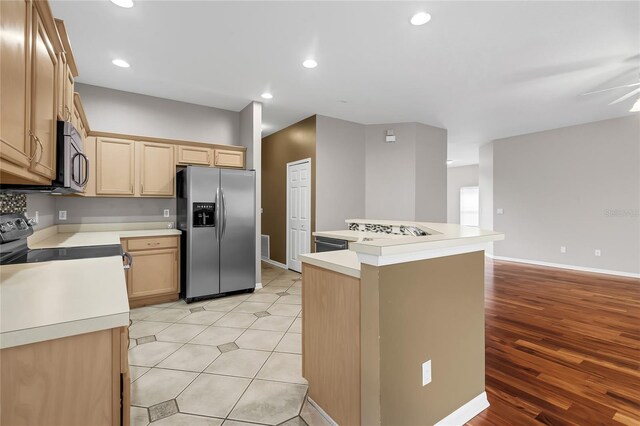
<point>228,158</point>
<point>68,381</point>
<point>69,87</point>
<point>15,17</point>
<point>115,167</point>
<point>153,273</point>
<point>157,169</point>
<point>44,88</point>
<point>194,155</point>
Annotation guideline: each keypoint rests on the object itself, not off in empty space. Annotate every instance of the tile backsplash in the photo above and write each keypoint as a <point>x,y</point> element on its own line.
<point>13,203</point>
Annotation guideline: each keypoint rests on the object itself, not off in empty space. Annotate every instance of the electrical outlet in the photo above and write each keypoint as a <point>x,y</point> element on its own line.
<point>166,213</point>
<point>62,215</point>
<point>500,211</point>
<point>598,252</point>
<point>37,218</point>
<point>426,373</point>
<point>563,249</point>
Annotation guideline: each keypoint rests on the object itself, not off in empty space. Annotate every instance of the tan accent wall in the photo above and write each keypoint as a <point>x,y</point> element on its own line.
<point>427,310</point>
<point>293,143</point>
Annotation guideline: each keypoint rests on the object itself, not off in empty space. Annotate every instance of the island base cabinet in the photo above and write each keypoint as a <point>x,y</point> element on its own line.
<point>78,380</point>
<point>364,342</point>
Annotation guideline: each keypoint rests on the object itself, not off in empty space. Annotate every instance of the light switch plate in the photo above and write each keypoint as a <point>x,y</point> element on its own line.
<point>166,212</point>
<point>500,211</point>
<point>426,373</point>
<point>62,215</point>
<point>563,249</point>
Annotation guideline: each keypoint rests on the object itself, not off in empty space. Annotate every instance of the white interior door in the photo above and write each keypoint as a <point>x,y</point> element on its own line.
<point>298,212</point>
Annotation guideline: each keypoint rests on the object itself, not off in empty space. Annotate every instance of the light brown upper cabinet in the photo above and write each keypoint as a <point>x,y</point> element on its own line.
<point>115,167</point>
<point>28,92</point>
<point>157,169</point>
<point>228,158</point>
<point>196,155</point>
<point>66,85</point>
<point>44,107</point>
<point>15,19</point>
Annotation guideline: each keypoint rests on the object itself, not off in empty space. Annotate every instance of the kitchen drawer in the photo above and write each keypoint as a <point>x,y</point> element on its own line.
<point>134,244</point>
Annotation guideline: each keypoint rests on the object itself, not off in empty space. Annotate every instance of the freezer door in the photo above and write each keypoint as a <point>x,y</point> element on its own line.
<point>238,232</point>
<point>203,250</point>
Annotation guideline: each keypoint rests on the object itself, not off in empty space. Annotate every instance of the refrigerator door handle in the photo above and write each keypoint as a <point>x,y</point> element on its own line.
<point>224,214</point>
<point>218,215</point>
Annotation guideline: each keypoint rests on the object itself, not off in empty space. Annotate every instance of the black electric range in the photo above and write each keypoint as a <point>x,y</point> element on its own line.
<point>14,230</point>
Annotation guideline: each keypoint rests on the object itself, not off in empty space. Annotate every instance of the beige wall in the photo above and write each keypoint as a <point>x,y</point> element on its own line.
<point>414,312</point>
<point>577,187</point>
<point>431,173</point>
<point>340,172</point>
<point>115,111</point>
<point>251,138</point>
<point>458,177</point>
<point>407,179</point>
<point>293,143</point>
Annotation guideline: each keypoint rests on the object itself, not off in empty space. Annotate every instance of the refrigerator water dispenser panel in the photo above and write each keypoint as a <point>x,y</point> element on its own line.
<point>204,215</point>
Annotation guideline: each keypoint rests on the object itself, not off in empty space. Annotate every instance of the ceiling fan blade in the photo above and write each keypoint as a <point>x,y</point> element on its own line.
<point>612,88</point>
<point>628,95</point>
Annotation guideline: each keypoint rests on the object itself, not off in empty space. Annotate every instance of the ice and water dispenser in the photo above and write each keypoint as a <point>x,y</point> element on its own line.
<point>204,215</point>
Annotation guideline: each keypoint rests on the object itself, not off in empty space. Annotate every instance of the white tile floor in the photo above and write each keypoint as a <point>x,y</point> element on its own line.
<point>234,361</point>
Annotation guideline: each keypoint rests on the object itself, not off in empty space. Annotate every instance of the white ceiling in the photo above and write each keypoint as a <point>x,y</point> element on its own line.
<point>483,70</point>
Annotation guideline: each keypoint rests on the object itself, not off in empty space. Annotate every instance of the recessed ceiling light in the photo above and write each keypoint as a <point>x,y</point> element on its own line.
<point>449,161</point>
<point>309,63</point>
<point>420,18</point>
<point>123,3</point>
<point>120,63</point>
<point>267,95</point>
<point>636,106</point>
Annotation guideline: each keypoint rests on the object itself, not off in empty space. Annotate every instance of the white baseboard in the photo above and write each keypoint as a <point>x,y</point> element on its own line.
<point>465,413</point>
<point>322,412</point>
<point>563,266</point>
<point>258,286</point>
<point>274,263</point>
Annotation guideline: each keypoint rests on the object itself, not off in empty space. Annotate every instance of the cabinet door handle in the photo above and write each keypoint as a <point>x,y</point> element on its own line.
<point>35,151</point>
<point>155,243</point>
<point>38,142</point>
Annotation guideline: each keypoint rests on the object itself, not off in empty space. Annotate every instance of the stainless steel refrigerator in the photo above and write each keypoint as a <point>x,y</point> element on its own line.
<point>216,214</point>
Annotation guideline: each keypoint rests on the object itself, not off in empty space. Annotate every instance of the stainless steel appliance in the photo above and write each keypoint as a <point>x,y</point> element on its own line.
<point>16,227</point>
<point>330,244</point>
<point>216,213</point>
<point>72,165</point>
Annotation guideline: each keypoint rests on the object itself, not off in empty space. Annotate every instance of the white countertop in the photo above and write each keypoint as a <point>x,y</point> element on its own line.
<point>49,300</point>
<point>343,261</point>
<point>383,249</point>
<point>95,234</point>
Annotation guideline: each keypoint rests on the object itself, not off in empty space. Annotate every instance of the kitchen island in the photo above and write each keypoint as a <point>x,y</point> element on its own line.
<point>393,328</point>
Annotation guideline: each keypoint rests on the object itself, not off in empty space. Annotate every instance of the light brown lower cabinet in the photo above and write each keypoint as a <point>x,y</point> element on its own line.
<point>154,275</point>
<point>72,381</point>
